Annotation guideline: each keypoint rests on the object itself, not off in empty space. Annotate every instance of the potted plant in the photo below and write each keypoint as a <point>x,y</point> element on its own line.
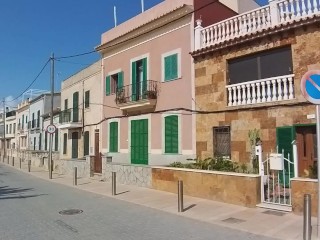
<point>120,98</point>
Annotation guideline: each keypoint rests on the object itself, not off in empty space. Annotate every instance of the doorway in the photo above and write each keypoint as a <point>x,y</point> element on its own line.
<point>74,137</point>
<point>97,156</point>
<point>139,141</point>
<point>307,148</point>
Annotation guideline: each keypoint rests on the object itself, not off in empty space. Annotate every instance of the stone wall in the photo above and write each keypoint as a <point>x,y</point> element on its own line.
<point>136,175</point>
<point>301,186</point>
<point>40,159</point>
<point>234,188</point>
<point>211,71</point>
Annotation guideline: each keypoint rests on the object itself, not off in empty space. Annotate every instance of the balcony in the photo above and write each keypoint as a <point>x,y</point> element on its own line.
<point>261,91</point>
<point>275,14</point>
<point>70,119</point>
<point>142,95</point>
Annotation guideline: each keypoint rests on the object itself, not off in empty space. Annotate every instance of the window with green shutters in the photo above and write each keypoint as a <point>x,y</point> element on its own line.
<point>171,67</point>
<point>113,137</point>
<point>171,134</point>
<point>86,143</point>
<point>87,99</point>
<point>114,83</point>
<point>65,138</point>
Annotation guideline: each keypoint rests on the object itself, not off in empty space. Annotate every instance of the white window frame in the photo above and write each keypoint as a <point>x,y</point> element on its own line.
<point>163,56</point>
<point>177,113</point>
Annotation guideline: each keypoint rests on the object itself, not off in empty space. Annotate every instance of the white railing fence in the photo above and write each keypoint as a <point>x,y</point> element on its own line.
<point>277,12</point>
<point>261,91</point>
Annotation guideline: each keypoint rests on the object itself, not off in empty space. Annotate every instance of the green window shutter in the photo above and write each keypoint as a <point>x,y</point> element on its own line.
<point>167,68</point>
<point>87,99</point>
<point>171,134</point>
<point>171,67</point>
<point>56,140</point>
<point>108,87</point>
<point>120,80</point>
<point>285,136</point>
<point>174,66</point>
<point>65,138</point>
<point>86,143</point>
<point>145,71</point>
<point>66,104</point>
<point>134,81</point>
<point>75,113</point>
<point>113,137</point>
<point>40,141</point>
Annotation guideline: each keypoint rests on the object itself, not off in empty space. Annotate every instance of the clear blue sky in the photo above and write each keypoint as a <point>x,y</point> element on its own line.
<point>32,30</point>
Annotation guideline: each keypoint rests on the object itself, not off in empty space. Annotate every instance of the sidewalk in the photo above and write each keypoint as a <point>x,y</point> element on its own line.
<point>258,221</point>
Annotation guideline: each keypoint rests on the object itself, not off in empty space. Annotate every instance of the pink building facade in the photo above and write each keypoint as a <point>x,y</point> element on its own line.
<point>148,87</point>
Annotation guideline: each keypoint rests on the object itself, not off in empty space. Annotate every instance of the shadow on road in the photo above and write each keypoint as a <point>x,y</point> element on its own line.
<point>7,192</point>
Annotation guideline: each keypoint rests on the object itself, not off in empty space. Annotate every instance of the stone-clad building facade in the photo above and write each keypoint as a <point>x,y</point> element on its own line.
<point>243,105</point>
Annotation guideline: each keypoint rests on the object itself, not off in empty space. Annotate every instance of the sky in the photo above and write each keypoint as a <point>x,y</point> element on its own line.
<point>30,31</point>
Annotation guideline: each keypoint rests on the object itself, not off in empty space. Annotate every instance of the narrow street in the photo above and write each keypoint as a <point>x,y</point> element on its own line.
<point>30,210</point>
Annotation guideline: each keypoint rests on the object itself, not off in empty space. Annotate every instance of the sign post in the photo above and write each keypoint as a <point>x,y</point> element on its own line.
<point>51,129</point>
<point>310,89</point>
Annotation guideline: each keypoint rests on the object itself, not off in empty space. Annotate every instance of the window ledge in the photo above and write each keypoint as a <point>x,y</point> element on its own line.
<point>174,79</point>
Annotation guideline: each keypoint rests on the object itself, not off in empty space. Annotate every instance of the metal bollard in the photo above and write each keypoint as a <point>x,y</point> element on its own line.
<point>307,217</point>
<point>75,177</point>
<point>20,162</point>
<point>12,161</point>
<point>29,165</point>
<point>114,179</point>
<point>180,196</point>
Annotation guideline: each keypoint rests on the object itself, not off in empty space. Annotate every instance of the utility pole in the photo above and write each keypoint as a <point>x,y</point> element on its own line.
<point>51,116</point>
<point>4,128</point>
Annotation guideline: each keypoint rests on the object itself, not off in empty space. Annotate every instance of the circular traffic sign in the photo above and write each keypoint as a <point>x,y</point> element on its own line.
<point>51,129</point>
<point>310,86</point>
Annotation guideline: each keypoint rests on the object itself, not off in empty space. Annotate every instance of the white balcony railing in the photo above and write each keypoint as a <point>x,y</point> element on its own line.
<point>276,13</point>
<point>261,91</point>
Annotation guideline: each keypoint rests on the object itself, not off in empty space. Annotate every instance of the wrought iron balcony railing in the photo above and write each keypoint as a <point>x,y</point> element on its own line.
<point>70,115</point>
<point>144,90</point>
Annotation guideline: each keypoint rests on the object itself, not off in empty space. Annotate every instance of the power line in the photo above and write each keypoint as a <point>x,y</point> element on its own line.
<point>132,38</point>
<point>76,63</point>
<point>32,81</point>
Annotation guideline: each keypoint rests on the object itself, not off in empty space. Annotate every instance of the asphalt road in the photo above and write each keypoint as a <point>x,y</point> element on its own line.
<point>29,210</point>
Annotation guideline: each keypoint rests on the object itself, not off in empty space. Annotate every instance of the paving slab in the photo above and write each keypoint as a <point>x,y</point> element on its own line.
<point>278,225</point>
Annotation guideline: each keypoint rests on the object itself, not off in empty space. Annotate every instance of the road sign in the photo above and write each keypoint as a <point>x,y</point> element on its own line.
<point>310,86</point>
<point>310,89</point>
<point>51,129</point>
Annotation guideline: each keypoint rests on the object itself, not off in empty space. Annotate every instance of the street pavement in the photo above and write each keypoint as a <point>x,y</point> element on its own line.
<point>30,207</point>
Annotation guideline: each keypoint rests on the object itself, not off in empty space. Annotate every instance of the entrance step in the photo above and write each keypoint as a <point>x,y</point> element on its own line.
<point>97,177</point>
<point>278,207</point>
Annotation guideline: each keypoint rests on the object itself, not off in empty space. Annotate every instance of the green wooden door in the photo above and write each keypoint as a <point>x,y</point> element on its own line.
<point>285,136</point>
<point>75,113</point>
<point>139,141</point>
<point>74,145</point>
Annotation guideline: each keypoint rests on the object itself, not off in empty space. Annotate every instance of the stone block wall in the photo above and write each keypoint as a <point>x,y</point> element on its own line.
<point>211,73</point>
<point>128,174</point>
<point>234,188</point>
<point>299,187</point>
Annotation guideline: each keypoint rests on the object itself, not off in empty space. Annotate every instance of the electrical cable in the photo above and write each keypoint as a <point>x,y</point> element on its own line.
<point>32,81</point>
<point>132,38</point>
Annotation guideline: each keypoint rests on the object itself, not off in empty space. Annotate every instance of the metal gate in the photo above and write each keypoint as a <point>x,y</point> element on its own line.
<point>276,172</point>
